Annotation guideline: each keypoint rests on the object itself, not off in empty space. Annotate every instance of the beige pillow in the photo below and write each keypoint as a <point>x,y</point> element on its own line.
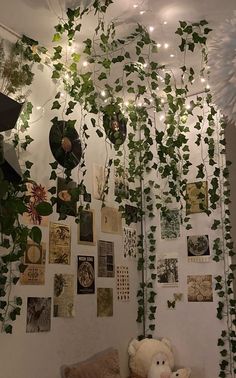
<point>102,365</point>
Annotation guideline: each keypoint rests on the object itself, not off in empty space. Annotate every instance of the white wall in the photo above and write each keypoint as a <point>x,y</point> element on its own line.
<point>37,355</point>
<point>192,327</point>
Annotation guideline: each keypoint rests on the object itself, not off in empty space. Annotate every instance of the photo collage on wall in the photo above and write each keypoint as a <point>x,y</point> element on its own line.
<point>199,287</point>
<point>40,310</point>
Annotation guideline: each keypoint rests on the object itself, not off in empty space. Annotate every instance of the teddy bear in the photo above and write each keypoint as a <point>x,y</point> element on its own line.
<point>142,352</point>
<point>159,367</point>
<point>181,373</point>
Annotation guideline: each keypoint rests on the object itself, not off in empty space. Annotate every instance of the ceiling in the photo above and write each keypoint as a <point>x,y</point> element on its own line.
<point>36,18</point>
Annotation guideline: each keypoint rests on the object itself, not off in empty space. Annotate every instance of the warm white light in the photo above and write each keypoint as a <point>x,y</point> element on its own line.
<point>162,117</point>
<point>85,63</point>
<point>151,28</point>
<point>145,65</point>
<point>135,6</point>
<point>62,94</point>
<point>188,107</point>
<point>151,100</point>
<point>208,86</point>
<point>166,45</point>
<point>126,103</point>
<point>106,100</point>
<point>165,23</point>
<point>103,93</point>
<point>66,76</point>
<point>142,12</point>
<point>162,100</point>
<point>203,80</point>
<point>158,45</point>
<point>172,56</point>
<point>38,107</point>
<point>139,104</point>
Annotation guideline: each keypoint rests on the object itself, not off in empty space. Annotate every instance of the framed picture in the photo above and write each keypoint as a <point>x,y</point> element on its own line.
<point>170,224</point>
<point>198,248</point>
<point>86,228</point>
<point>85,275</point>
<point>65,204</point>
<point>197,197</point>
<point>200,288</point>
<point>167,271</point>
<point>111,220</point>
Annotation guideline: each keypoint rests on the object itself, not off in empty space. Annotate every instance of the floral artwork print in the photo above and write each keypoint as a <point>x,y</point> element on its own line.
<point>37,194</point>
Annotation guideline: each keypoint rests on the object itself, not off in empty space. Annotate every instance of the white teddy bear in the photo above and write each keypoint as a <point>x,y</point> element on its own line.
<point>181,373</point>
<point>159,367</point>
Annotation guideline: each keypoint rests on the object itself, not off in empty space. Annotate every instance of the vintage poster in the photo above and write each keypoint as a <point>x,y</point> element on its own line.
<point>99,181</point>
<point>38,314</point>
<point>170,224</point>
<point>59,243</point>
<point>167,271</point>
<point>34,260</point>
<point>37,194</point>
<point>197,197</point>
<point>86,228</point>
<point>104,302</point>
<point>65,204</point>
<point>130,242</point>
<point>122,283</point>
<point>200,288</point>
<point>111,221</point>
<point>105,259</point>
<point>198,248</point>
<point>85,275</point>
<point>121,188</point>
<point>63,302</point>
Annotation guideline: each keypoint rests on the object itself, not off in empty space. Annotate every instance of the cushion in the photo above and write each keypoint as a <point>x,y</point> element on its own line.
<point>102,365</point>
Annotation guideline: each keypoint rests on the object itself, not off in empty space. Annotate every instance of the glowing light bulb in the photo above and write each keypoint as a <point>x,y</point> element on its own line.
<point>66,76</point>
<point>172,55</point>
<point>166,45</point>
<point>203,80</point>
<point>142,12</point>
<point>162,117</point>
<point>208,86</point>
<point>62,94</point>
<point>165,23</point>
<point>103,93</point>
<point>158,45</point>
<point>188,106</point>
<point>135,6</point>
<point>151,28</point>
<point>139,104</point>
<point>126,103</point>
<point>105,100</point>
<point>145,65</point>
<point>85,63</point>
<point>162,100</point>
<point>151,100</point>
<point>38,107</point>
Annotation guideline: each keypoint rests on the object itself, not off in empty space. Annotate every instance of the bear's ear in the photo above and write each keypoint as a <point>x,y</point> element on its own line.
<point>166,342</point>
<point>133,347</point>
<point>188,370</point>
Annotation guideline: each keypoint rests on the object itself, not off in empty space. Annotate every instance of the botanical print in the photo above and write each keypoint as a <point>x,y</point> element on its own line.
<point>111,221</point>
<point>167,271</point>
<point>37,194</point>
<point>197,197</point>
<point>121,188</point>
<point>104,302</point>
<point>85,275</point>
<point>200,288</point>
<point>122,283</point>
<point>34,261</point>
<point>86,228</point>
<point>38,314</point>
<point>59,243</point>
<point>170,224</point>
<point>65,204</point>
<point>130,242</point>
<point>99,181</point>
<point>105,259</point>
<point>63,302</point>
<point>198,248</point>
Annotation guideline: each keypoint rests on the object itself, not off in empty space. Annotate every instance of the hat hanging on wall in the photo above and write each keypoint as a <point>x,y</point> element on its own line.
<point>65,144</point>
<point>9,112</point>
<point>222,60</point>
<point>115,128</point>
